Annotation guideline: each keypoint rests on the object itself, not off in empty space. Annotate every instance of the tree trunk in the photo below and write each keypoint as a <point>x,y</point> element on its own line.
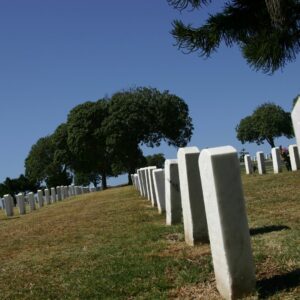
<point>130,171</point>
<point>104,183</point>
<point>271,142</point>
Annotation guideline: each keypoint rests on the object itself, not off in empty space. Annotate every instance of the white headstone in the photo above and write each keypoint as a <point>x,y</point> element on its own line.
<point>151,185</point>
<point>294,156</point>
<point>59,193</point>
<point>139,171</point>
<point>40,198</point>
<point>172,190</point>
<point>148,195</point>
<point>47,196</point>
<point>53,195</point>
<point>31,201</point>
<point>276,160</point>
<point>193,210</point>
<point>261,166</point>
<point>143,173</point>
<point>248,164</point>
<point>295,115</point>
<point>9,207</point>
<point>227,221</point>
<point>159,187</point>
<point>21,203</point>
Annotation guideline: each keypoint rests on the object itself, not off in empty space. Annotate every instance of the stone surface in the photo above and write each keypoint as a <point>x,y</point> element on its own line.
<point>47,196</point>
<point>193,210</point>
<point>261,166</point>
<point>159,187</point>
<point>143,177</point>
<point>227,221</point>
<point>295,115</point>
<point>40,198</point>
<point>294,156</point>
<point>147,184</point>
<point>276,160</point>
<point>21,203</point>
<point>53,195</point>
<point>172,192</point>
<point>31,201</point>
<point>58,193</point>
<point>9,207</point>
<point>248,164</point>
<point>151,185</point>
<point>139,172</point>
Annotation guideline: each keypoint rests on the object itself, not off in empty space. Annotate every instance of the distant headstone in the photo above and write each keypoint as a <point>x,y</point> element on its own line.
<point>151,185</point>
<point>261,166</point>
<point>31,201</point>
<point>172,190</point>
<point>276,160</point>
<point>295,115</point>
<point>294,156</point>
<point>53,195</point>
<point>227,222</point>
<point>248,164</point>
<point>193,211</point>
<point>58,193</point>
<point>47,196</point>
<point>21,203</point>
<point>9,207</point>
<point>159,187</point>
<point>40,198</point>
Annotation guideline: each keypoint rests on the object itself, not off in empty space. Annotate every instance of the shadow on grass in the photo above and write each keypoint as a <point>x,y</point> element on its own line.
<point>267,229</point>
<point>10,218</point>
<point>278,283</point>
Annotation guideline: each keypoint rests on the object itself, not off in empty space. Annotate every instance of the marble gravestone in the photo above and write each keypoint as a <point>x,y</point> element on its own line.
<point>227,222</point>
<point>295,115</point>
<point>172,192</point>
<point>159,187</point>
<point>147,184</point>
<point>21,203</point>
<point>151,185</point>
<point>193,210</point>
<point>294,156</point>
<point>47,197</point>
<point>9,207</point>
<point>248,164</point>
<point>53,195</point>
<point>31,201</point>
<point>261,166</point>
<point>40,198</point>
<point>276,160</point>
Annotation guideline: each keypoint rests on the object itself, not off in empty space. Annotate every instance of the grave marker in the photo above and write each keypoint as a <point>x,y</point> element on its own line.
<point>193,210</point>
<point>227,221</point>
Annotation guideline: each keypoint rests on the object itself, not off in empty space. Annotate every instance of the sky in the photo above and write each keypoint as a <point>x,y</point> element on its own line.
<point>57,54</point>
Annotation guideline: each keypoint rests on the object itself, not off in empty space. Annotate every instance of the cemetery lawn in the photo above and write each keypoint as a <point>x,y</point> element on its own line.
<point>114,245</point>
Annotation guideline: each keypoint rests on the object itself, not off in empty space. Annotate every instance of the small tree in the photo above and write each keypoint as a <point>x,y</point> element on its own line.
<point>157,160</point>
<point>268,121</point>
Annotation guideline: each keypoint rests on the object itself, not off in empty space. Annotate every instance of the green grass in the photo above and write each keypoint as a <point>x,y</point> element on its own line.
<point>114,245</point>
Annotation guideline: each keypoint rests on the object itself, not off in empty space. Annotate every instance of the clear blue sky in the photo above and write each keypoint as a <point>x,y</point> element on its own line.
<point>56,54</point>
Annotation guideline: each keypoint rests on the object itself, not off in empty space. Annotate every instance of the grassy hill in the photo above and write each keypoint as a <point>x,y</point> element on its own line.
<point>114,245</point>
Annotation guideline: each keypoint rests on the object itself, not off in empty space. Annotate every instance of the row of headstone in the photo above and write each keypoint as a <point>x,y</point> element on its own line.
<point>276,159</point>
<point>205,190</point>
<point>42,198</point>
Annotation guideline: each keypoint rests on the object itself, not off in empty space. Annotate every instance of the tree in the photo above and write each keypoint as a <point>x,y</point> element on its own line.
<point>42,164</point>
<point>266,31</point>
<point>87,140</point>
<point>157,160</point>
<point>87,178</point>
<point>267,122</point>
<point>145,116</point>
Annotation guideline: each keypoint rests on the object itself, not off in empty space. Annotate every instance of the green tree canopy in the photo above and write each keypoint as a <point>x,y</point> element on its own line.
<point>87,140</point>
<point>267,122</point>
<point>266,31</point>
<point>145,116</point>
<point>42,164</point>
<point>157,160</point>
